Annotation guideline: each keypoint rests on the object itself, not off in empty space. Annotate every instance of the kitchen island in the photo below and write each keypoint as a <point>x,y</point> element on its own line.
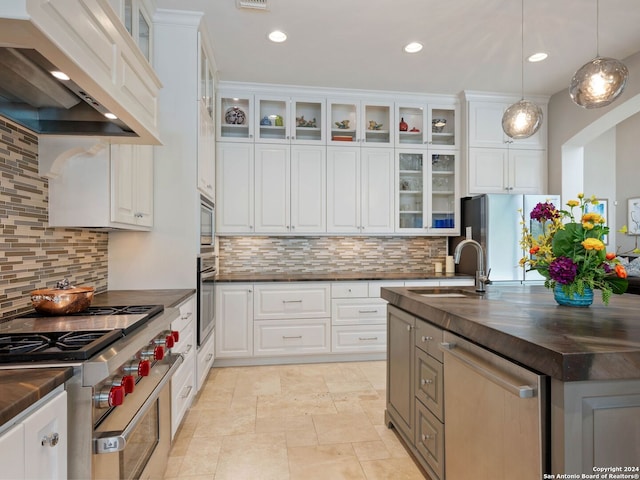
<point>590,357</point>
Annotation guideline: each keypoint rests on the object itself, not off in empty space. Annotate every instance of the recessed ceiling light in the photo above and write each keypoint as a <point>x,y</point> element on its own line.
<point>60,75</point>
<point>110,116</point>
<point>277,36</point>
<point>537,57</point>
<point>413,47</point>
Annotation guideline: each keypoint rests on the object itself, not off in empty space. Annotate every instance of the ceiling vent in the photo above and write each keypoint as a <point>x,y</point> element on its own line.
<point>253,4</point>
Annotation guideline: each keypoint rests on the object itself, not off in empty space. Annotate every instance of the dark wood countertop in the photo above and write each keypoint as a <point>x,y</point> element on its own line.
<point>168,298</point>
<point>22,387</point>
<point>334,277</point>
<point>525,324</point>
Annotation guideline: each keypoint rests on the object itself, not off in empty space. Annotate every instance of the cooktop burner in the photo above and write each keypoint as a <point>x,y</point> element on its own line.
<point>107,310</point>
<point>61,346</point>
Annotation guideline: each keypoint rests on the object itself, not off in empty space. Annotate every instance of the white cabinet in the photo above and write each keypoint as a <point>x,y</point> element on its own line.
<point>234,320</point>
<point>183,382</point>
<point>292,300</point>
<point>295,120</point>
<point>137,20</point>
<point>427,193</point>
<point>234,187</point>
<point>289,191</point>
<point>205,359</point>
<point>360,193</point>
<point>421,124</point>
<point>235,117</point>
<point>111,188</point>
<point>36,446</point>
<point>367,123</point>
<point>497,170</point>
<point>206,152</point>
<point>496,163</point>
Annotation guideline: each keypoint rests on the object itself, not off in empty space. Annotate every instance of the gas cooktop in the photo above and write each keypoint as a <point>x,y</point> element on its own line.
<point>78,336</point>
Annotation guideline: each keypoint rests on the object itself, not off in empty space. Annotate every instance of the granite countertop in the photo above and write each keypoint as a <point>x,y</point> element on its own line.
<point>334,277</point>
<point>22,387</point>
<point>525,324</point>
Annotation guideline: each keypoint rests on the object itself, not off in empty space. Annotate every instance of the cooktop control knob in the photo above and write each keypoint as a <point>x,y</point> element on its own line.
<point>129,383</point>
<point>144,367</point>
<point>169,341</point>
<point>110,396</point>
<point>176,336</point>
<point>158,352</point>
<point>137,367</point>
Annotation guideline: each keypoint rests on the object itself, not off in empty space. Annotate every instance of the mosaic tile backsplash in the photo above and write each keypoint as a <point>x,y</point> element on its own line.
<point>32,255</point>
<point>330,254</point>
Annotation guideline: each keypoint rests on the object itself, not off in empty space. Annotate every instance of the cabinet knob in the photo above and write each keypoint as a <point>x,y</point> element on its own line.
<point>50,440</point>
<point>426,338</point>
<point>426,381</point>
<point>426,437</point>
<point>408,328</point>
<point>293,227</point>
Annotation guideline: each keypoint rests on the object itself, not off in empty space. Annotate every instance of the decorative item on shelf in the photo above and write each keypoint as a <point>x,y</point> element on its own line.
<point>235,116</point>
<point>373,125</point>
<point>403,125</point>
<point>438,124</point>
<point>415,130</point>
<point>571,255</point>
<point>265,121</point>
<point>600,81</point>
<point>342,138</point>
<point>278,121</point>
<point>343,125</point>
<point>404,184</point>
<point>301,122</point>
<point>523,118</point>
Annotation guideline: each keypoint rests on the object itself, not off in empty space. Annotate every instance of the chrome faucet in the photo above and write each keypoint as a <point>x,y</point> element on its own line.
<point>481,277</point>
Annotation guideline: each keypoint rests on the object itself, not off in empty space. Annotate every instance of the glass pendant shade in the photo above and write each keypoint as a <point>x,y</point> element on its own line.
<point>599,82</point>
<point>522,119</point>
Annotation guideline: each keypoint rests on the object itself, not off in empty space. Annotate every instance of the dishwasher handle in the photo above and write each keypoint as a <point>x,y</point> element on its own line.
<point>522,391</point>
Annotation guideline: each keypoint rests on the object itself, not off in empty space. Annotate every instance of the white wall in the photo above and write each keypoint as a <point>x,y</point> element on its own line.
<point>627,174</point>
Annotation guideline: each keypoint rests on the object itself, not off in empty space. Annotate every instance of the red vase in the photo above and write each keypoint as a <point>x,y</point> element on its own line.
<point>403,126</point>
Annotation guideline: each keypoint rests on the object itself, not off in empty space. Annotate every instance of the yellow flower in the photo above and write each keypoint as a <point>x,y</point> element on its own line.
<point>592,218</point>
<point>587,225</point>
<point>581,195</point>
<point>623,229</point>
<point>573,203</point>
<point>593,244</point>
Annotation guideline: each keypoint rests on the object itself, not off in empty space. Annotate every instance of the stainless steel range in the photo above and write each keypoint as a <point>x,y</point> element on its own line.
<point>119,396</point>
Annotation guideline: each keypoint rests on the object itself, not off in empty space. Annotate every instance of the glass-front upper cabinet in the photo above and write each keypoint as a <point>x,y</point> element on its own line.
<point>289,120</point>
<point>364,123</point>
<point>427,191</point>
<point>136,19</point>
<point>206,91</point>
<point>235,114</point>
<point>421,124</point>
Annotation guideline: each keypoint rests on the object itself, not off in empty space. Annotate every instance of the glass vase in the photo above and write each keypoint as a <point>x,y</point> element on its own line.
<point>575,300</point>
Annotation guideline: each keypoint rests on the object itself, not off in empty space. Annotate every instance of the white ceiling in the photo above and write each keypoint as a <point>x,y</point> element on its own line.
<point>469,44</point>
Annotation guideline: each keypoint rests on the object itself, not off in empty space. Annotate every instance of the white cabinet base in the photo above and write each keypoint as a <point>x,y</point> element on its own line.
<point>285,337</point>
<point>205,360</point>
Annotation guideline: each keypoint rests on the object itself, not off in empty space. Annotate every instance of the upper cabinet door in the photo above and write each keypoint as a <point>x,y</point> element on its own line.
<point>343,119</point>
<point>272,120</point>
<point>376,124</point>
<point>235,118</point>
<point>308,121</point>
<point>485,128</point>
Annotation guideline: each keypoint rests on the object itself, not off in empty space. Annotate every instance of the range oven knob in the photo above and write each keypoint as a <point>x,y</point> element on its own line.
<point>110,396</point>
<point>158,352</point>
<point>169,341</point>
<point>176,336</point>
<point>129,383</point>
<point>138,367</point>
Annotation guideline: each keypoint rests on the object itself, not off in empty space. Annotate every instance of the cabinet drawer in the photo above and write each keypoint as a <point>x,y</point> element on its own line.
<point>428,338</point>
<point>359,338</point>
<point>273,302</point>
<point>374,287</point>
<point>291,337</point>
<point>187,314</point>
<point>429,383</point>
<point>429,439</point>
<point>358,311</point>
<point>204,360</point>
<point>458,282</point>
<point>422,283</point>
<point>183,389</point>
<point>349,289</point>
<point>187,339</point>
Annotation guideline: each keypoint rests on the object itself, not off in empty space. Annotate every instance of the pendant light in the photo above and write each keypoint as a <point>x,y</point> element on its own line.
<point>523,118</point>
<point>600,81</point>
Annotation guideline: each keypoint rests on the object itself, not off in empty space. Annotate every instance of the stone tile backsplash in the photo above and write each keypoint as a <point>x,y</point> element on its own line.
<point>330,254</point>
<point>32,255</point>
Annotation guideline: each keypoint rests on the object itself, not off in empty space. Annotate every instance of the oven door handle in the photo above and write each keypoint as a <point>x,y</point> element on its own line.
<point>108,442</point>
<point>207,274</point>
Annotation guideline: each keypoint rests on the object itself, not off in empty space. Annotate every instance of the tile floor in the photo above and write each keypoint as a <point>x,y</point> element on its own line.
<point>291,422</point>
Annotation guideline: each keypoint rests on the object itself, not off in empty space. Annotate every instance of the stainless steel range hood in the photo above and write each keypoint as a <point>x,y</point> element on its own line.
<point>35,99</point>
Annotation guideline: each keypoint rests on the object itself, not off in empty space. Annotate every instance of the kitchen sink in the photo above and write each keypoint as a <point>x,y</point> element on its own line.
<point>445,292</point>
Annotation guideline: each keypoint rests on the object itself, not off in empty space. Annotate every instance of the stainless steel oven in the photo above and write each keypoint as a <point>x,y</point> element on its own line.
<point>207,222</point>
<point>205,282</point>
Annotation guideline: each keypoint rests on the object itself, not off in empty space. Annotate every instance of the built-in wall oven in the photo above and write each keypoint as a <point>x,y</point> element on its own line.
<point>207,223</point>
<point>206,271</point>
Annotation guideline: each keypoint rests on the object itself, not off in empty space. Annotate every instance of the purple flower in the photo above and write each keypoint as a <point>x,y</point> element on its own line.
<point>563,270</point>
<point>607,268</point>
<point>544,211</point>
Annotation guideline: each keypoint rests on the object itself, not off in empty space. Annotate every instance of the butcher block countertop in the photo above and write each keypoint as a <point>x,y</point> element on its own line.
<point>22,387</point>
<point>524,323</point>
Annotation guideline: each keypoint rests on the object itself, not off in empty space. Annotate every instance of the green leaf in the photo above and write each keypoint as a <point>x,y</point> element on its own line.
<point>618,285</point>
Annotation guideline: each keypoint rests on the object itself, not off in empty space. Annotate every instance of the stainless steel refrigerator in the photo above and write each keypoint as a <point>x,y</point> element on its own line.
<point>495,222</point>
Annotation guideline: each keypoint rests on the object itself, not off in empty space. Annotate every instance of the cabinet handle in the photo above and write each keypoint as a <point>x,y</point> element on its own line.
<point>188,389</point>
<point>362,339</point>
<point>284,337</point>
<point>408,328</point>
<point>250,135</point>
<point>293,227</point>
<point>426,437</point>
<point>187,315</point>
<point>291,301</point>
<point>188,349</point>
<point>209,357</point>
<point>367,311</point>
<point>426,339</point>
<point>249,291</point>
<point>426,381</point>
<point>50,440</point>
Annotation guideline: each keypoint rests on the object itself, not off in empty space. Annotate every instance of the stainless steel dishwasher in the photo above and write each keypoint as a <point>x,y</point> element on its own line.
<point>495,415</point>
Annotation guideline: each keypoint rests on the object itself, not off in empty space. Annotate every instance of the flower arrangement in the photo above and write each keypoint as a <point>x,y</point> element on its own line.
<point>571,253</point>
